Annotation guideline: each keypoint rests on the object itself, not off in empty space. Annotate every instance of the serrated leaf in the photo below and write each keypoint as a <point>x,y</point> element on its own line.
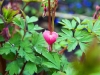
<point>21,52</point>
<point>57,60</point>
<point>90,26</point>
<point>85,21</point>
<point>28,49</point>
<point>15,41</point>
<point>25,44</point>
<point>79,53</point>
<point>28,56</point>
<point>83,36</point>
<point>49,65</point>
<point>82,46</point>
<point>9,13</point>
<point>36,27</point>
<point>31,27</point>
<point>6,49</point>
<point>19,21</point>
<point>13,68</point>
<point>73,24</point>
<point>79,27</point>
<point>88,38</point>
<point>72,45</point>
<point>96,26</point>
<point>16,20</point>
<point>30,68</point>
<point>63,43</point>
<point>31,19</point>
<point>39,49</point>
<point>37,39</point>
<point>66,23</point>
<point>77,19</point>
<point>9,56</point>
<point>68,33</point>
<point>47,55</point>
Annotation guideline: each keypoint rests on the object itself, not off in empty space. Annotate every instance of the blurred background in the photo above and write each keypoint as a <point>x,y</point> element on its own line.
<point>66,9</point>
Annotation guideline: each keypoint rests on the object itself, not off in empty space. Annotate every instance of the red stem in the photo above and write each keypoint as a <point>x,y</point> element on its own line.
<point>49,17</point>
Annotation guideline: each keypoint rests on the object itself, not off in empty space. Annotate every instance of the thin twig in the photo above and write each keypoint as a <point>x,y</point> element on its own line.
<point>62,51</point>
<point>6,73</point>
<point>21,72</point>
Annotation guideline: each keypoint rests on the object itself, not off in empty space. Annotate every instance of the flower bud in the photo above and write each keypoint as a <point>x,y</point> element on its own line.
<point>97,7</point>
<point>50,37</point>
<point>5,33</point>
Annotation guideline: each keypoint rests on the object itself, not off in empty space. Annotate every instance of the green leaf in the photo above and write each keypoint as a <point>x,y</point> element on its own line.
<point>57,60</point>
<point>83,46</point>
<point>66,23</point>
<point>30,68</point>
<point>9,13</point>
<point>1,21</point>
<point>9,56</point>
<point>19,21</point>
<point>15,41</point>
<point>29,56</point>
<point>83,36</point>
<point>16,20</point>
<point>73,24</point>
<point>37,39</point>
<point>31,19</point>
<point>13,68</point>
<point>25,44</point>
<point>21,52</point>
<point>77,19</point>
<point>96,27</point>
<point>63,43</point>
<point>69,33</point>
<point>31,27</point>
<point>28,50</point>
<point>6,49</point>
<point>39,49</point>
<point>79,53</point>
<point>90,26</point>
<point>49,65</point>
<point>88,38</point>
<point>72,44</point>
<point>1,38</point>
<point>36,27</point>
<point>47,55</point>
<point>79,27</point>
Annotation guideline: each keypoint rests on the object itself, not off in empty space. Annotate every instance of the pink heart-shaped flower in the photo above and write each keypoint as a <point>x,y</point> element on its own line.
<point>50,37</point>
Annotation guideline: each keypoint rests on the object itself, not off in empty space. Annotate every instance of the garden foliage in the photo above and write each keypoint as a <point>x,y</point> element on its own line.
<point>26,52</point>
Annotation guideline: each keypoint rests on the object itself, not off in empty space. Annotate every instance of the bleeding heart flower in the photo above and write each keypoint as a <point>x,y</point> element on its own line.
<point>50,37</point>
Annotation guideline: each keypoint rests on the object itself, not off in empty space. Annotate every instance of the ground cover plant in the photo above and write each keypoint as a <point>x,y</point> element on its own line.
<point>26,51</point>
